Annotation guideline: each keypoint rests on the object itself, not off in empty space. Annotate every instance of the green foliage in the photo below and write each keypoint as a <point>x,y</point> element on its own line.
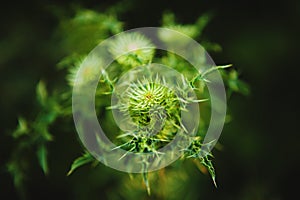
<point>42,157</point>
<point>33,135</point>
<point>22,128</point>
<point>82,160</point>
<point>205,161</point>
<point>192,30</point>
<point>88,29</point>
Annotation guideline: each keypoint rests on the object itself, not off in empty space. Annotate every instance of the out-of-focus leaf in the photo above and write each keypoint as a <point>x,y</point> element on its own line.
<point>22,128</point>
<point>73,60</point>
<point>192,30</point>
<point>16,169</point>
<point>237,85</point>
<point>211,46</point>
<point>42,130</point>
<point>41,93</point>
<point>112,24</point>
<point>46,135</point>
<point>88,29</point>
<point>48,118</point>
<point>168,19</point>
<point>82,160</point>
<point>17,175</point>
<point>42,157</point>
<point>203,21</point>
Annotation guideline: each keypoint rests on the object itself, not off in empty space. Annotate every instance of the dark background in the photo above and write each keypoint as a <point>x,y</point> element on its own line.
<point>260,159</point>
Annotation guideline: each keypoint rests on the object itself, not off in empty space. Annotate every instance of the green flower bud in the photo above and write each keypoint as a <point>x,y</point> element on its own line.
<point>132,49</point>
<point>151,106</point>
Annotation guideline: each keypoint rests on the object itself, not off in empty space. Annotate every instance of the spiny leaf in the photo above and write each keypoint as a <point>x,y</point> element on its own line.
<point>146,181</point>
<point>84,159</point>
<point>42,157</point>
<point>214,69</point>
<point>202,75</point>
<point>208,164</point>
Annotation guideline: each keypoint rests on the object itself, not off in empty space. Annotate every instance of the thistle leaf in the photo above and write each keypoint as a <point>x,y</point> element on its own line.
<point>146,181</point>
<point>41,93</point>
<point>205,161</point>
<point>22,128</point>
<point>42,153</point>
<point>82,160</point>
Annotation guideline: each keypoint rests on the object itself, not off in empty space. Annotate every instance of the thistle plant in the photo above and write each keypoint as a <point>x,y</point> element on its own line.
<point>149,108</point>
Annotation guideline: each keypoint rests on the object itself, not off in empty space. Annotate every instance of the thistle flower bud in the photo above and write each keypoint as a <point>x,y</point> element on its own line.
<point>150,105</point>
<point>89,71</point>
<point>132,49</point>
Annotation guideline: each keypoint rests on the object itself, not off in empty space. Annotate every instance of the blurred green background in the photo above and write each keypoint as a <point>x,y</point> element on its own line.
<point>260,156</point>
